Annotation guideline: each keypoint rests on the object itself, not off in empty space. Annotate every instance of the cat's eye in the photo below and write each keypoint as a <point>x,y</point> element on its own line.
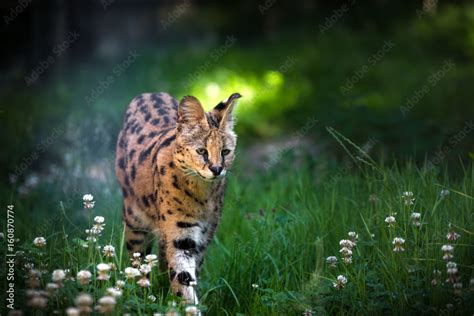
<point>201,151</point>
<point>225,152</point>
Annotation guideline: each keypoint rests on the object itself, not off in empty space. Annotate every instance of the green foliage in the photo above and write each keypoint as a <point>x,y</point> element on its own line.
<point>268,257</point>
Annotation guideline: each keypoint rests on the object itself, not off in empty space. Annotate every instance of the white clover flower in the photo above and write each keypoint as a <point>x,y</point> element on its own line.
<point>83,277</point>
<point>415,216</point>
<point>103,269</point>
<point>408,198</point>
<point>143,282</point>
<point>131,273</point>
<point>398,242</point>
<point>353,236</point>
<point>331,261</point>
<point>345,243</point>
<point>136,260</point>
<point>51,287</point>
<point>108,251</point>
<point>119,284</point>
<point>145,269</point>
<point>72,311</point>
<point>106,304</point>
<point>390,220</point>
<point>83,301</point>
<point>341,281</point>
<point>99,219</point>
<point>452,235</point>
<point>451,268</point>
<point>447,248</point>
<point>152,298</point>
<point>88,200</point>
<point>151,260</point>
<point>58,275</point>
<point>191,310</point>
<point>346,252</point>
<point>137,255</point>
<point>39,242</point>
<point>255,285</point>
<point>114,292</point>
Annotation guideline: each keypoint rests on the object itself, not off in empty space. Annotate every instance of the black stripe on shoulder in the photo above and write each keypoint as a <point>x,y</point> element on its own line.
<point>144,154</point>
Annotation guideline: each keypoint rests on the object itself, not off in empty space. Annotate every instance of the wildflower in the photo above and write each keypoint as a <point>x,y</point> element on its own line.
<point>408,198</point>
<point>39,242</point>
<point>52,287</point>
<point>143,282</point>
<point>119,284</point>
<point>72,311</point>
<point>451,268</point>
<point>88,201</point>
<point>106,304</point>
<point>136,260</point>
<point>331,261</point>
<point>36,299</point>
<point>354,237</point>
<point>347,260</point>
<point>131,273</point>
<point>103,269</point>
<point>58,275</point>
<point>345,243</point>
<point>255,285</point>
<point>340,282</point>
<point>145,269</point>
<point>448,252</point>
<point>444,193</point>
<point>114,292</point>
<point>151,260</point>
<point>83,302</point>
<point>108,251</point>
<point>452,235</point>
<point>415,219</point>
<point>390,220</point>
<point>83,277</point>
<point>346,252</point>
<point>152,298</point>
<point>457,287</point>
<point>191,310</point>
<point>398,242</point>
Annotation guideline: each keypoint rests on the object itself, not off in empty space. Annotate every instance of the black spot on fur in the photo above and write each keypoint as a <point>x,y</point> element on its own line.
<point>185,244</point>
<point>167,120</point>
<point>144,154</point>
<point>132,153</point>
<point>124,192</point>
<point>162,111</point>
<point>147,117</point>
<point>129,210</point>
<point>184,278</point>
<point>155,121</point>
<point>175,182</point>
<point>163,170</point>
<point>188,193</point>
<point>134,173</point>
<point>171,164</point>
<point>177,200</point>
<point>121,163</point>
<point>153,134</point>
<point>163,218</point>
<point>186,224</point>
<point>145,201</point>
<point>170,212</point>
<point>141,139</point>
<point>166,142</point>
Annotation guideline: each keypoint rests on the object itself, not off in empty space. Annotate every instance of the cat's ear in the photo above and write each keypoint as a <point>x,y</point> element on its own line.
<point>190,110</point>
<point>223,111</point>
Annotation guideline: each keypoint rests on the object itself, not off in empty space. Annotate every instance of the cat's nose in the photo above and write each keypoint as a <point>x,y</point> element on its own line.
<point>216,170</point>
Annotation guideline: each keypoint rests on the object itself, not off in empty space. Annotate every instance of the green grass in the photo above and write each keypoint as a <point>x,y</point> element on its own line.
<point>277,229</point>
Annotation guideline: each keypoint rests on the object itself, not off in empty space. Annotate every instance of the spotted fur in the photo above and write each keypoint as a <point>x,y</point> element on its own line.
<point>170,161</point>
